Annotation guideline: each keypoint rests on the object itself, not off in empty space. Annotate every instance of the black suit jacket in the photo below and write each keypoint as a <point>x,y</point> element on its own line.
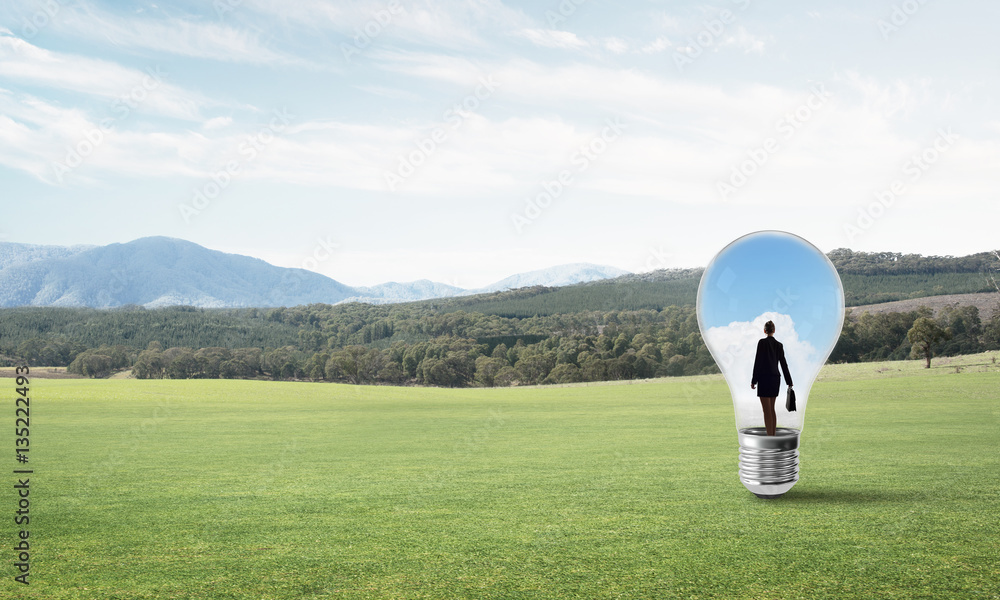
<point>770,353</point>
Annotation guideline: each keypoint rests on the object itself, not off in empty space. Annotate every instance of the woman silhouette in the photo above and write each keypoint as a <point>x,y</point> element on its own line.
<point>770,353</point>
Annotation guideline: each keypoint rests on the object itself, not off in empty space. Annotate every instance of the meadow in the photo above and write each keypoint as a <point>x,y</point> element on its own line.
<point>251,489</point>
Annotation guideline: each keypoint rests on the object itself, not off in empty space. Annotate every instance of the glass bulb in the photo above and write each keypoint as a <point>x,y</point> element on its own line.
<point>779,277</point>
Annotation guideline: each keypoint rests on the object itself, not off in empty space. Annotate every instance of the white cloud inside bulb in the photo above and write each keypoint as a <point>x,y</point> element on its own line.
<point>734,347</point>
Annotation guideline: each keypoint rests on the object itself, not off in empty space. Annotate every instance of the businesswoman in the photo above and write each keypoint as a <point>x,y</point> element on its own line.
<point>766,379</point>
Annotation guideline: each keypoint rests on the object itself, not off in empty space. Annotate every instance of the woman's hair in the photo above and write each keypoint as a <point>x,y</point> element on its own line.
<point>769,327</point>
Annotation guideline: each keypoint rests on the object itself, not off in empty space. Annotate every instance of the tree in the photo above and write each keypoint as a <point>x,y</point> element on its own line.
<point>182,365</point>
<point>487,369</point>
<point>993,272</point>
<point>500,351</point>
<point>991,331</point>
<point>564,373</point>
<point>392,373</point>
<point>923,335</point>
<point>247,361</point>
<point>235,368</point>
<point>369,365</point>
<point>92,364</point>
<point>347,362</point>
<point>149,365</point>
<point>209,361</point>
<point>412,358</point>
<point>316,373</point>
<point>533,368</point>
<point>506,376</point>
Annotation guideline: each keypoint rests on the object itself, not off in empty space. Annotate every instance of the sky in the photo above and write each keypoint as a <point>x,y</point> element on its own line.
<point>774,271</point>
<point>467,140</point>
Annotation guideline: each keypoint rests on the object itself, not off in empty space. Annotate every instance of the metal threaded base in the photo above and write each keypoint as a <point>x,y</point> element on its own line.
<point>769,464</point>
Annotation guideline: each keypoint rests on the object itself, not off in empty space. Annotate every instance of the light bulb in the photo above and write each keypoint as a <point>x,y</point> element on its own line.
<point>779,277</point>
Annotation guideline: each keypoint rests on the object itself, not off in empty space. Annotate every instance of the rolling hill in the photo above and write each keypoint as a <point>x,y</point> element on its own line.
<point>159,271</point>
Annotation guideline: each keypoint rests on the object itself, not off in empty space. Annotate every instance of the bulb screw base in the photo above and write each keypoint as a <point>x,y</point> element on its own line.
<point>769,464</point>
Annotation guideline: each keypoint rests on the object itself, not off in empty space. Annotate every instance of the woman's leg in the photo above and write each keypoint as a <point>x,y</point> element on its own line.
<point>770,417</point>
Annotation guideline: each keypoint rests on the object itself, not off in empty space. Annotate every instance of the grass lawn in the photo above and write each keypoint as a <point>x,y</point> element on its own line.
<point>230,489</point>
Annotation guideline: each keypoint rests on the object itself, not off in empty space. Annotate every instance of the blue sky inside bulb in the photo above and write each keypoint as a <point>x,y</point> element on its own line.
<point>776,276</point>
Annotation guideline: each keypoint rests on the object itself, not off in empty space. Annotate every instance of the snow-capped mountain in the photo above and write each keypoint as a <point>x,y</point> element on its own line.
<point>161,271</point>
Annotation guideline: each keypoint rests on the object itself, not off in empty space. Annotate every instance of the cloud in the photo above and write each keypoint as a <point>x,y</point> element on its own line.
<point>552,38</point>
<point>36,135</point>
<point>658,45</point>
<point>747,42</point>
<point>186,38</point>
<point>218,123</point>
<point>167,34</point>
<point>438,23</point>
<point>735,346</point>
<point>896,98</point>
<point>388,92</point>
<point>28,64</point>
<point>684,135</point>
<point>662,20</point>
<point>616,45</point>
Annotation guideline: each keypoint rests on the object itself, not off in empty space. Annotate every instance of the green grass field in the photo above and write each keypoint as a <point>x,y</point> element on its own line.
<point>238,489</point>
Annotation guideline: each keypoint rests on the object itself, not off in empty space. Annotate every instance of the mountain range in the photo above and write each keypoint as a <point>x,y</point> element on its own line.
<point>161,271</point>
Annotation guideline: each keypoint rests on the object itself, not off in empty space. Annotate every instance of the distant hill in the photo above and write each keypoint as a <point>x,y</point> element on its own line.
<point>424,289</point>
<point>655,290</point>
<point>12,254</point>
<point>868,278</point>
<point>159,271</point>
<point>560,276</point>
<point>392,292</point>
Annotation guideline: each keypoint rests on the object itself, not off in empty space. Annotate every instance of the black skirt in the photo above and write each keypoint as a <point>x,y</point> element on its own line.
<point>768,387</point>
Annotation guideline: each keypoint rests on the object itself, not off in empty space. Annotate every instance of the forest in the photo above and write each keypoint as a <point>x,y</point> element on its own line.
<point>528,336</point>
<point>390,345</point>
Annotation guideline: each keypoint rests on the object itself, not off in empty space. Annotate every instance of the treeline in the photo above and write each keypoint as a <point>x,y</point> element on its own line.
<point>876,277</point>
<point>135,327</point>
<point>526,336</point>
<point>883,336</point>
<point>896,263</point>
<point>868,278</point>
<point>366,344</point>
